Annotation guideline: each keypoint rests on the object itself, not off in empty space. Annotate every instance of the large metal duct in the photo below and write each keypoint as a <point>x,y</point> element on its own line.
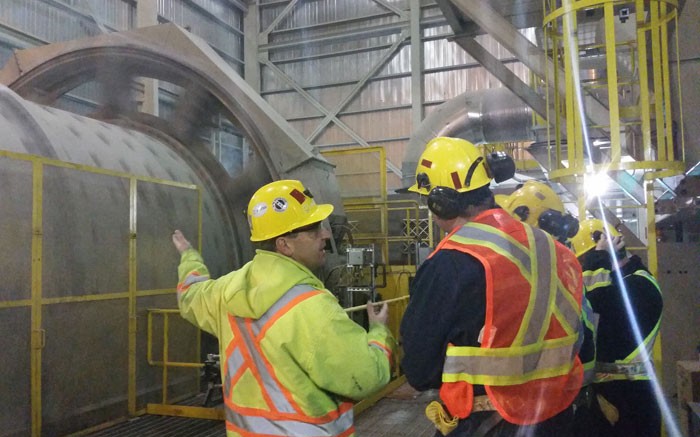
<point>88,207</point>
<point>488,116</point>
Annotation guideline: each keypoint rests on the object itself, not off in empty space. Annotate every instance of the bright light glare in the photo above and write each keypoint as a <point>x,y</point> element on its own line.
<point>668,417</point>
<point>596,184</point>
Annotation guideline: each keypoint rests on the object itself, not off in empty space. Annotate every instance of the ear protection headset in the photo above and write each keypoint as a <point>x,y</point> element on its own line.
<point>444,202</point>
<point>447,203</point>
<point>523,212</point>
<point>561,226</point>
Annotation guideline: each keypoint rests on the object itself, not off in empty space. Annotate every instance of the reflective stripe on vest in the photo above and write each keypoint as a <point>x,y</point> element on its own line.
<point>285,428</point>
<point>636,365</point>
<point>530,356</point>
<point>290,419</point>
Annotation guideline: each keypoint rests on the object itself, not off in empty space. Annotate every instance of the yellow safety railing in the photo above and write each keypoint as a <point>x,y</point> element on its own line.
<point>39,300</point>
<point>167,406</point>
<point>397,306</point>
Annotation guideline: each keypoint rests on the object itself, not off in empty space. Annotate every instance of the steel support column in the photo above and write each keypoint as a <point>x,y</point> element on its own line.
<point>417,62</point>
<point>147,15</point>
<point>251,25</point>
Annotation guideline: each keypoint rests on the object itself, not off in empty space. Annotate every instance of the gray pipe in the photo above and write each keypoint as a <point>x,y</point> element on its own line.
<point>495,115</point>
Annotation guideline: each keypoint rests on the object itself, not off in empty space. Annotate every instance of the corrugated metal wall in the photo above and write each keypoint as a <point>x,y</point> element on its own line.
<point>28,23</point>
<point>216,21</point>
<point>320,46</point>
<point>323,47</point>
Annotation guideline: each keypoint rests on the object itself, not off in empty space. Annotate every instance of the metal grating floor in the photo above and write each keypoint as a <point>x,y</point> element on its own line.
<point>165,426</point>
<point>399,414</point>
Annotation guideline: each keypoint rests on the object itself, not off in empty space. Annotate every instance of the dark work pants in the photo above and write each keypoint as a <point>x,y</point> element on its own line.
<point>558,426</point>
<point>587,414</point>
<point>640,415</point>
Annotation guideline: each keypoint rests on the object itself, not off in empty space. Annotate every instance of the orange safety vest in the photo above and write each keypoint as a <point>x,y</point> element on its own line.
<point>283,416</point>
<point>527,360</point>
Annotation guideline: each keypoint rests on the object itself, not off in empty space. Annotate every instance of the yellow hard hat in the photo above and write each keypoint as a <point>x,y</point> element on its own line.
<point>450,162</point>
<point>589,234</point>
<point>531,200</point>
<point>281,207</point>
<point>501,200</point>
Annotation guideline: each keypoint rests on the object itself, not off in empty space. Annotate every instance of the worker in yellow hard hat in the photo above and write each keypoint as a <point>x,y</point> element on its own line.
<point>494,294</point>
<point>292,360</point>
<point>538,205</point>
<point>629,302</point>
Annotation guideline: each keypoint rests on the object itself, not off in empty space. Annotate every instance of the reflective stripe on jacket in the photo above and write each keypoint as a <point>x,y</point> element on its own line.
<point>528,359</point>
<point>292,359</point>
<point>283,416</point>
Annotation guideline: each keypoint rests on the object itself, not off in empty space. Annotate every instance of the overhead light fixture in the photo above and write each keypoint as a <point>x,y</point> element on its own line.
<point>596,184</point>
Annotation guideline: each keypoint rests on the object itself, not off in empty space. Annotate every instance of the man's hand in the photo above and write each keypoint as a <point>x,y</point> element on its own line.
<point>617,243</point>
<point>180,242</point>
<point>377,314</point>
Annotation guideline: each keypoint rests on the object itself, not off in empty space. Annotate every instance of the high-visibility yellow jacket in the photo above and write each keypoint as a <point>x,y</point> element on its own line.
<point>291,358</point>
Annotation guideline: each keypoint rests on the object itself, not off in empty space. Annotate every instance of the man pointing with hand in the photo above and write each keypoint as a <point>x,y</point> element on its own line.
<point>292,360</point>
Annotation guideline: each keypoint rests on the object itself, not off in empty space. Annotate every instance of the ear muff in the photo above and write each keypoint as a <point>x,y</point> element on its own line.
<point>500,166</point>
<point>561,226</point>
<point>570,226</point>
<point>444,202</point>
<point>550,221</point>
<point>523,212</point>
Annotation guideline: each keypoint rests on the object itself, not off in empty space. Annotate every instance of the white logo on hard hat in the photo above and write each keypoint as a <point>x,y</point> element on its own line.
<point>279,204</point>
<point>260,209</point>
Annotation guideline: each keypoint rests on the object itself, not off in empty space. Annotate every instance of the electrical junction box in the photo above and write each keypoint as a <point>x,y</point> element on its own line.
<point>360,256</point>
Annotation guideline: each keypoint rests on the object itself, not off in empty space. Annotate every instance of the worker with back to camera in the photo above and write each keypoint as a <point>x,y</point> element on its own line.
<point>623,368</point>
<point>292,359</point>
<point>536,204</point>
<point>494,314</point>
